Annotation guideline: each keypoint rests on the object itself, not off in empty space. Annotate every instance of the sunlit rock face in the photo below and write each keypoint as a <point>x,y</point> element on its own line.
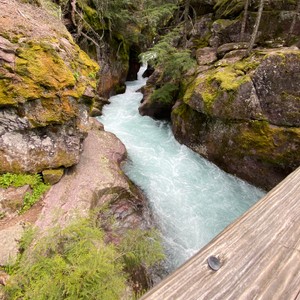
<point>46,88</point>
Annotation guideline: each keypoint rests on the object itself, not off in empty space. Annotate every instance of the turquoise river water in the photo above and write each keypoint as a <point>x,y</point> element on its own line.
<point>192,200</point>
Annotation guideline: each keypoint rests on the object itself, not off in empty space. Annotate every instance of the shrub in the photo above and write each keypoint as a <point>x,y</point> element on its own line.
<point>76,263</point>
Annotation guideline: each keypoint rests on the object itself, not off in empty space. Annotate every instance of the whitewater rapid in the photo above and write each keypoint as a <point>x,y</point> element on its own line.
<point>192,200</point>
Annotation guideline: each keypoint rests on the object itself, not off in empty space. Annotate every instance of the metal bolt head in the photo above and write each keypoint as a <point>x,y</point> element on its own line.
<point>214,263</point>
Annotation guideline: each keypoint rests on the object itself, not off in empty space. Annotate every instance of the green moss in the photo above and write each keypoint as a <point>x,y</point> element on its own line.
<point>6,93</point>
<point>52,176</point>
<point>271,144</point>
<point>223,23</point>
<point>212,84</point>
<point>181,111</point>
<point>229,79</point>
<point>91,16</point>
<point>246,65</point>
<point>44,67</point>
<point>202,42</point>
<point>41,73</point>
<point>18,180</point>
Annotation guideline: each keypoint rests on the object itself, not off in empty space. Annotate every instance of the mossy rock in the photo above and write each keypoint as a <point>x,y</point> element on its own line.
<point>52,176</point>
<point>51,80</point>
<point>221,86</point>
<point>271,144</point>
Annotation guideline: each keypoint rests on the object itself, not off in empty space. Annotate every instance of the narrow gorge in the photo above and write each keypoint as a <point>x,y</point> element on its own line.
<point>113,174</point>
<point>192,200</point>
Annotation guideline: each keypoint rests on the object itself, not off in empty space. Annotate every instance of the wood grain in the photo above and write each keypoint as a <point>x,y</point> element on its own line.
<point>259,253</point>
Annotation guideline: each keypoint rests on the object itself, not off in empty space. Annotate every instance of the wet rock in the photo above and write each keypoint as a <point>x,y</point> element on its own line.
<point>52,176</point>
<point>95,112</point>
<point>160,110</point>
<point>148,72</point>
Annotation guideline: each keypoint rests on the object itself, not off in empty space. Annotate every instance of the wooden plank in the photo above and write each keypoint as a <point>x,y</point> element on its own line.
<point>259,253</point>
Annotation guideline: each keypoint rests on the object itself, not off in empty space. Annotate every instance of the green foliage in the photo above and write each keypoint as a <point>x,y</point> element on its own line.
<point>141,247</point>
<point>18,180</point>
<point>70,263</point>
<point>173,61</point>
<point>76,263</point>
<point>32,198</point>
<point>227,8</point>
<point>165,94</point>
<point>156,14</point>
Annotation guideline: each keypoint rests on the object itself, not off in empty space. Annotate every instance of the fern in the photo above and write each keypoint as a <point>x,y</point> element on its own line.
<point>34,181</point>
<point>174,62</point>
<point>141,247</point>
<point>76,263</point>
<point>165,94</point>
<point>70,263</point>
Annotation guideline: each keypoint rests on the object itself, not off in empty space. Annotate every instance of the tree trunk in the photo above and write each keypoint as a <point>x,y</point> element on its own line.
<point>186,18</point>
<point>256,26</point>
<point>296,15</point>
<point>244,20</point>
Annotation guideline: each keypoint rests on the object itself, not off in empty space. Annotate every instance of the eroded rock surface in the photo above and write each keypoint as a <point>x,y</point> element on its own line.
<point>96,181</point>
<point>243,114</point>
<point>96,184</point>
<point>11,200</point>
<point>47,85</point>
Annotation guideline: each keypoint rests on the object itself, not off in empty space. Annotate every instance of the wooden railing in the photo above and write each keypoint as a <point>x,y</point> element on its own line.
<point>258,255</point>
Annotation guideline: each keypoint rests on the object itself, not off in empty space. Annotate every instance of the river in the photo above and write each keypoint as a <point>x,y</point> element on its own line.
<point>192,199</point>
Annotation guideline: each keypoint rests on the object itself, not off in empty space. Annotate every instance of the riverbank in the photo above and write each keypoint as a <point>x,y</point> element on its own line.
<point>192,200</point>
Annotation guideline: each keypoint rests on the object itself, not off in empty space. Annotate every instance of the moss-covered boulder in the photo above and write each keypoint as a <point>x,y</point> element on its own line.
<point>159,95</point>
<point>47,86</point>
<point>245,115</point>
<point>52,176</point>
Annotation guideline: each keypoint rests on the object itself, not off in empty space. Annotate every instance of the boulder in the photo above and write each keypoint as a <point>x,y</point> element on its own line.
<point>96,181</point>
<point>276,82</point>
<point>244,116</point>
<point>47,86</point>
<point>9,243</point>
<point>11,199</point>
<point>225,48</point>
<point>206,55</point>
<point>166,91</point>
<point>52,176</point>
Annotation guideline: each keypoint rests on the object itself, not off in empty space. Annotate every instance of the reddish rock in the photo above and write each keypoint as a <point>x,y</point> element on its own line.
<point>96,180</point>
<point>11,199</point>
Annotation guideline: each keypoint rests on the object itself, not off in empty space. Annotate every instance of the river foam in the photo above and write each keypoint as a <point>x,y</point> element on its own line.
<point>192,199</point>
